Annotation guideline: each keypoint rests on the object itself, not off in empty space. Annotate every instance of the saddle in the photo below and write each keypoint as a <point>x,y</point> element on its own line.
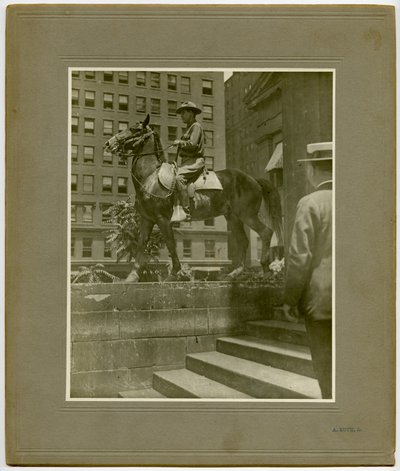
<point>208,180</point>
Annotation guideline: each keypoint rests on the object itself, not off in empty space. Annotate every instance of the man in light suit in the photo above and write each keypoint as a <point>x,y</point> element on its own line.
<point>308,288</point>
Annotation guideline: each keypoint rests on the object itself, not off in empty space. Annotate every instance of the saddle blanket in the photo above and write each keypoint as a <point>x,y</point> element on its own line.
<point>206,181</point>
<point>210,182</point>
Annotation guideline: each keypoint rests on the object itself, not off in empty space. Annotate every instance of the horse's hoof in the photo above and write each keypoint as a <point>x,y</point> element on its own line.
<point>183,277</point>
<point>132,278</point>
<point>171,278</point>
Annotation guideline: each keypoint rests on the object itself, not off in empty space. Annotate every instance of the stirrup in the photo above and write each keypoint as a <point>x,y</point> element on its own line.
<point>179,214</point>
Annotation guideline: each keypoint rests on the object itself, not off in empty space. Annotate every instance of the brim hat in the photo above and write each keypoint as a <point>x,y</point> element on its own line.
<point>319,151</point>
<point>188,105</point>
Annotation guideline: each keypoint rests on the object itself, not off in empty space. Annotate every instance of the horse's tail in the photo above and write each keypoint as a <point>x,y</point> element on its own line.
<point>272,202</point>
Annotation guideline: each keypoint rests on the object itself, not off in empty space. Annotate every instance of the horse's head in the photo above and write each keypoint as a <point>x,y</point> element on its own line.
<point>129,140</point>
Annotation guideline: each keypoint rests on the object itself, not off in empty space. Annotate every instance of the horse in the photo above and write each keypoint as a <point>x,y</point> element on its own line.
<point>239,201</point>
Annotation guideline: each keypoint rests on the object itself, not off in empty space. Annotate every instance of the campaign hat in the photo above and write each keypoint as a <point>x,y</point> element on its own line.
<point>188,105</point>
<point>319,151</point>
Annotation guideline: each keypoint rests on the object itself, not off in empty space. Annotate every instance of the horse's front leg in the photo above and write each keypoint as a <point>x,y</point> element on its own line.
<point>166,230</point>
<point>146,227</point>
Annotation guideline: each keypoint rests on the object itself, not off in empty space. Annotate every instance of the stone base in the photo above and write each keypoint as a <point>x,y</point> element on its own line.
<point>122,333</point>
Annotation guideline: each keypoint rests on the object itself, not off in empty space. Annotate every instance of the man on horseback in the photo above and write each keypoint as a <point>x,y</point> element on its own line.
<point>191,150</point>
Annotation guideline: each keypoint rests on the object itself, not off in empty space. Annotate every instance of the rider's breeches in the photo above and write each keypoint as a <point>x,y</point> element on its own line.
<point>190,174</point>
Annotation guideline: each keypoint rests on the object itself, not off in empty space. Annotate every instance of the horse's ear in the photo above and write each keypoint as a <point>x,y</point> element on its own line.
<point>146,121</point>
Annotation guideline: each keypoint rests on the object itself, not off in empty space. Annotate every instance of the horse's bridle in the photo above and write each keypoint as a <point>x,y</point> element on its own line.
<point>139,143</point>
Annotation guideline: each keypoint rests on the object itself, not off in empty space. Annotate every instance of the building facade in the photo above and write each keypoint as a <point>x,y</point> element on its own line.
<point>270,119</point>
<point>106,102</point>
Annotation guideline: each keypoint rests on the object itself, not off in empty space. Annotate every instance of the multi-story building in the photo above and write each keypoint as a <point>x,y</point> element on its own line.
<point>270,119</point>
<point>106,102</point>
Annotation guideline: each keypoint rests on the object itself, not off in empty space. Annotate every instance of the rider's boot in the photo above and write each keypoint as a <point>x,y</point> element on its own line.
<point>185,201</point>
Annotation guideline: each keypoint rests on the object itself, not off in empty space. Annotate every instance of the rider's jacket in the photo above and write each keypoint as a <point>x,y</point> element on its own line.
<point>192,144</point>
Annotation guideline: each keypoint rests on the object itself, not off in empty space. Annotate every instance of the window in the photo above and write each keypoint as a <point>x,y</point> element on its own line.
<point>89,126</point>
<point>207,87</point>
<point>172,82</point>
<point>73,212</point>
<point>108,126</point>
<point>107,157</point>
<point>75,96</point>
<point>105,218</point>
<point>122,125</point>
<point>88,154</point>
<point>140,79</point>
<point>122,185</point>
<point>74,124</point>
<point>185,84</point>
<point>209,162</point>
<point>74,182</point>
<point>187,248</point>
<point>74,153</point>
<point>209,138</point>
<point>209,246</point>
<point>108,101</point>
<point>123,77</point>
<point>108,76</point>
<point>172,105</point>
<point>107,184</point>
<point>89,98</point>
<point>155,105</point>
<point>88,181</point>
<point>72,246</point>
<point>209,222</point>
<point>87,213</point>
<point>154,80</point>
<point>140,104</point>
<point>107,250</point>
<point>208,114</point>
<point>172,133</point>
<point>90,75</point>
<point>123,102</point>
<point>87,247</point>
<point>75,74</point>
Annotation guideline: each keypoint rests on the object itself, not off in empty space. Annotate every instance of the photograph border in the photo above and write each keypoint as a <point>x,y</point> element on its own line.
<point>69,319</point>
<point>42,428</point>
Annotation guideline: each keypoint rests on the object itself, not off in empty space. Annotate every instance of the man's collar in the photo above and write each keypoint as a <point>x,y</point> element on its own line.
<point>327,183</point>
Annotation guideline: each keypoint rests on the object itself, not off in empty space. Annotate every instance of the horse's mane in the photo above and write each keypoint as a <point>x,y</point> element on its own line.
<point>158,147</point>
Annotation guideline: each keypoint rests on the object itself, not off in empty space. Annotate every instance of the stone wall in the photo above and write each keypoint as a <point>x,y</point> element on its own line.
<point>121,333</point>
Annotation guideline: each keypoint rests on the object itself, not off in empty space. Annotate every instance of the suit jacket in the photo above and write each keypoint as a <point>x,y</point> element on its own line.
<point>309,266</point>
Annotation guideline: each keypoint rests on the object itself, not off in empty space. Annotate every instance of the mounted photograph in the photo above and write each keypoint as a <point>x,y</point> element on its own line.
<point>201,235</point>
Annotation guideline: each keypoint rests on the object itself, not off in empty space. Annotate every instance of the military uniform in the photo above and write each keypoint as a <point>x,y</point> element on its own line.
<point>191,151</point>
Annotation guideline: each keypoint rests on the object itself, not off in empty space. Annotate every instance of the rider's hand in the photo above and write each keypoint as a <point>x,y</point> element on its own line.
<point>181,179</point>
<point>177,142</point>
<point>291,313</point>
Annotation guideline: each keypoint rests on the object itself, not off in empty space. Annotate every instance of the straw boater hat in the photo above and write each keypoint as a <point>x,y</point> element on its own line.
<point>188,105</point>
<point>319,151</point>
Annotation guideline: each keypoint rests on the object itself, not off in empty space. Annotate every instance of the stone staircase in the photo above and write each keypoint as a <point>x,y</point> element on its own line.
<point>270,361</point>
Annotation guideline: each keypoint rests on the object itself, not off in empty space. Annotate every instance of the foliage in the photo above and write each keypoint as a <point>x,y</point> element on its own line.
<point>94,274</point>
<point>124,236</point>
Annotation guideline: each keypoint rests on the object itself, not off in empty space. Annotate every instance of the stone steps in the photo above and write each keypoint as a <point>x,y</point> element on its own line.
<point>184,383</point>
<point>278,330</point>
<point>281,355</point>
<point>254,379</point>
<point>270,361</point>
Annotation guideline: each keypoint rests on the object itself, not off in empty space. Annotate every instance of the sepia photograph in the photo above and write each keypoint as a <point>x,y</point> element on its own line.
<point>201,234</point>
<point>200,223</point>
